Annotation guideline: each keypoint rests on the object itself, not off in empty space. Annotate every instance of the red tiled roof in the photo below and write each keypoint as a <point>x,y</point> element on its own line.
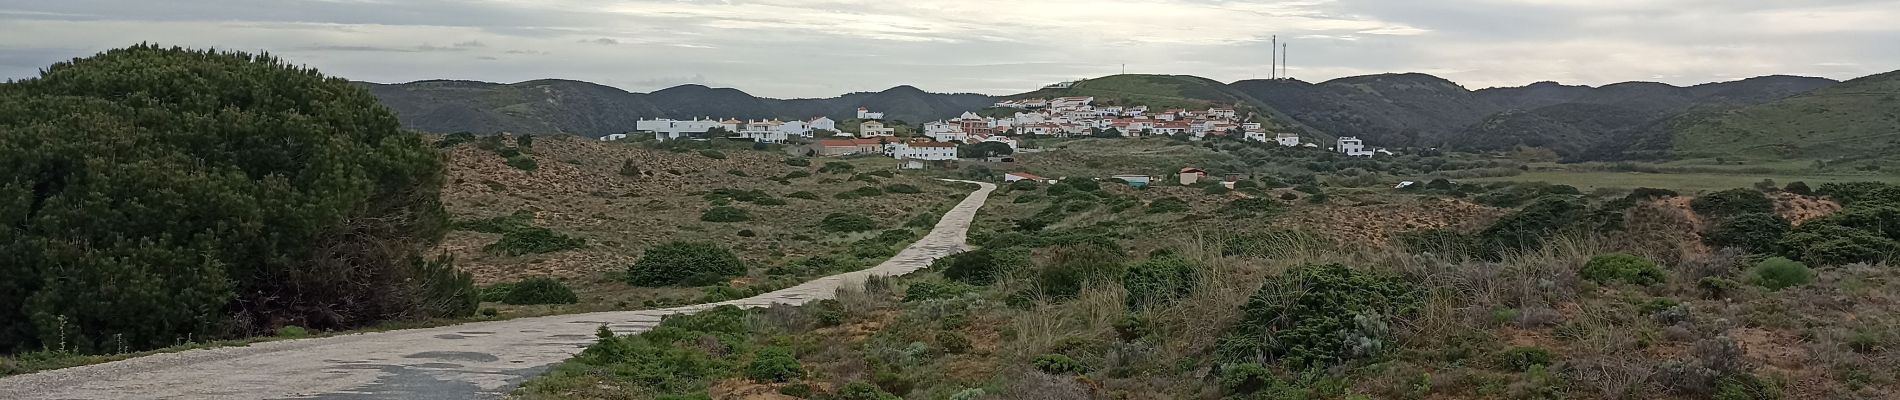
<point>933,144</point>
<point>1028,176</point>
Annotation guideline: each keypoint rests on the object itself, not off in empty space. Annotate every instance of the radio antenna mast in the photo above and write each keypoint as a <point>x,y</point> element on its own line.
<point>1273,66</point>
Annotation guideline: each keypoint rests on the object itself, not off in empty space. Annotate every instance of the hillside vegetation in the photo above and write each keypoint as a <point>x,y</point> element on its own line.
<point>1171,91</point>
<point>1856,119</point>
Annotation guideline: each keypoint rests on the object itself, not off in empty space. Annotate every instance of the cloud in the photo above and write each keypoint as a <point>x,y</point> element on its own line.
<point>817,48</point>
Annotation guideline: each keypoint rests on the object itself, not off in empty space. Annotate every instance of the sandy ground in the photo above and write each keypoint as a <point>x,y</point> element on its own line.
<point>475,360</point>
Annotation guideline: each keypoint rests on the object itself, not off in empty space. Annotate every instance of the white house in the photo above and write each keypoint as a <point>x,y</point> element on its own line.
<point>866,114</point>
<point>613,136</point>
<point>666,129</point>
<point>1226,113</point>
<point>870,129</point>
<point>823,123</point>
<point>927,151</point>
<point>1071,103</point>
<point>1352,146</point>
<point>1257,136</point>
<point>992,138</point>
<point>1287,139</point>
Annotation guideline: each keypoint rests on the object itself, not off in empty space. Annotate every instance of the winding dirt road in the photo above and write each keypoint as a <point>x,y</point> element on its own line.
<point>475,360</point>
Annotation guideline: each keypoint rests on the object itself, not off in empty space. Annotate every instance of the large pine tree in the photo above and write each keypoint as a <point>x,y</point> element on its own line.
<point>153,195</point>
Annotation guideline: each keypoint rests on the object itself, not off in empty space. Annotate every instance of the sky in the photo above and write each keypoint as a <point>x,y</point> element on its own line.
<point>823,48</point>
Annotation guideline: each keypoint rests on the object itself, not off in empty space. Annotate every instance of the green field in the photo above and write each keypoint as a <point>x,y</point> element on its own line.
<point>1589,180</point>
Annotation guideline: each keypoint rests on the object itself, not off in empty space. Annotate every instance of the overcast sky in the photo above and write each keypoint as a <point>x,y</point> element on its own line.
<point>822,48</point>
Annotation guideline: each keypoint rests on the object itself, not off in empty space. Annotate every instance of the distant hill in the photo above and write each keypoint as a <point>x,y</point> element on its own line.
<point>1859,118</point>
<point>1385,109</point>
<point>587,109</point>
<point>1172,91</point>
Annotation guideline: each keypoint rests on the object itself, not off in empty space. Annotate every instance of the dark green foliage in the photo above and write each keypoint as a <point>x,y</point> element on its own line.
<point>685,263</point>
<point>867,191</point>
<point>1266,244</point>
<point>1527,229</point>
<point>1856,192</point>
<point>684,354</point>
<point>1437,241</point>
<point>1755,232</point>
<point>1245,378</point>
<point>799,390</point>
<point>798,162</point>
<point>953,342</point>
<point>1518,194</point>
<point>1650,194</point>
<point>882,173</point>
<point>984,149</point>
<point>1253,206</point>
<point>533,240</point>
<point>846,223</point>
<point>1072,266</point>
<point>522,162</point>
<point>725,214</point>
<point>1798,187</point>
<point>1619,267</point>
<point>539,291</point>
<point>1058,364</point>
<point>836,167</point>
<point>1823,243</point>
<point>803,195</point>
<point>713,154</point>
<point>496,292</point>
<point>1732,202</point>
<point>931,290</point>
<point>1215,188</point>
<point>774,364</point>
<point>525,141</point>
<point>1307,188</point>
<point>152,195</point>
<point>983,266</point>
<point>1879,218</point>
<point>455,139</point>
<point>1523,358</point>
<point>1134,327</point>
<point>1317,315</point>
<point>1167,205</point>
<point>628,168</point>
<point>1023,185</point>
<point>1160,280</point>
<point>1082,185</point>
<point>863,391</point>
<point>1780,273</point>
<point>902,189</point>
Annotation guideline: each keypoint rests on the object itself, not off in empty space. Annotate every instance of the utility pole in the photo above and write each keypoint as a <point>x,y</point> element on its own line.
<point>1273,66</point>
<point>1283,70</point>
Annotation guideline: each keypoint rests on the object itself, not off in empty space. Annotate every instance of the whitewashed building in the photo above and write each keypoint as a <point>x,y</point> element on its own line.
<point>823,123</point>
<point>1287,139</point>
<point>668,129</point>
<point>866,114</point>
<point>871,129</point>
<point>927,151</point>
<point>1352,146</point>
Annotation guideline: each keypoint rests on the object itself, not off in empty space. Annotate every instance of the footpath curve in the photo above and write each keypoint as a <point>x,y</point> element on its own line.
<point>473,360</point>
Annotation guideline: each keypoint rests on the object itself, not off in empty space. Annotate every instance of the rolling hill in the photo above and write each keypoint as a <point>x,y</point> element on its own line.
<point>587,109</point>
<point>1387,109</point>
<point>1173,91</point>
<point>1859,118</point>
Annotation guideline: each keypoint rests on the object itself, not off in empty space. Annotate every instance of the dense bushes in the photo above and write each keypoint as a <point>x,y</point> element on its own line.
<point>866,191</point>
<point>1167,205</point>
<point>538,291</point>
<point>1755,232</point>
<point>845,223</point>
<point>1780,273</point>
<point>902,189</point>
<point>1732,202</point>
<point>774,364</point>
<point>1527,229</point>
<point>1159,280</point>
<point>1831,244</point>
<point>725,214</point>
<point>1072,266</point>
<point>1317,315</point>
<point>1611,268</point>
<point>982,266</point>
<point>519,237</point>
<point>685,263</point>
<point>684,354</point>
<point>157,195</point>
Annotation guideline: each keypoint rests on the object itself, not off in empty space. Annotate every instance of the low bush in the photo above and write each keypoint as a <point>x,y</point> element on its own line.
<point>866,191</point>
<point>685,263</point>
<point>628,168</point>
<point>1732,202</point>
<point>863,391</point>
<point>846,223</point>
<point>983,266</point>
<point>774,364</point>
<point>1159,280</point>
<point>523,162</point>
<point>293,332</point>
<point>803,195</point>
<point>1798,187</point>
<point>539,291</point>
<point>1780,273</point>
<point>798,162</point>
<point>902,189</point>
<point>836,167</point>
<point>1619,267</point>
<point>713,154</point>
<point>725,214</point>
<point>1318,315</point>
<point>953,342</point>
<point>1527,228</point>
<point>1023,185</point>
<point>932,290</point>
<point>1253,206</point>
<point>533,240</point>
<point>1070,267</point>
<point>1755,232</point>
<point>1524,358</point>
<point>1058,364</point>
<point>1167,205</point>
<point>1822,243</point>
<point>683,354</point>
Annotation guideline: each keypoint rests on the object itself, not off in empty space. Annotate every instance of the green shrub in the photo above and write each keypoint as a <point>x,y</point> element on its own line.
<point>1732,202</point>
<point>1619,267</point>
<point>836,167</point>
<point>1437,241</point>
<point>1167,205</point>
<point>683,354</point>
<point>725,214</point>
<point>983,266</point>
<point>774,364</point>
<point>931,290</point>
<point>1317,315</point>
<point>1798,187</point>
<point>496,292</point>
<point>1252,206</point>
<point>1780,273</point>
<point>539,291</point>
<point>1058,364</point>
<point>523,162</point>
<point>1245,378</point>
<point>953,342</point>
<point>866,191</point>
<point>1524,358</point>
<point>1071,267</point>
<point>628,168</point>
<point>803,195</point>
<point>1755,232</point>
<point>1160,280</point>
<point>713,154</point>
<point>798,162</point>
<point>1023,185</point>
<point>902,189</point>
<point>1133,327</point>
<point>685,263</point>
<point>1878,218</point>
<point>293,332</point>
<point>863,391</point>
<point>846,223</point>
<point>533,240</point>
<point>1822,243</point>
<point>153,194</point>
<point>1215,188</point>
<point>1527,229</point>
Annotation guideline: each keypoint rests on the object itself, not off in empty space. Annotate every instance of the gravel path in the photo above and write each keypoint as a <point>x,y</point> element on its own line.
<point>474,360</point>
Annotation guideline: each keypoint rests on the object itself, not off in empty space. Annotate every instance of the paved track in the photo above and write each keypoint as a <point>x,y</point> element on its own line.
<point>474,360</point>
